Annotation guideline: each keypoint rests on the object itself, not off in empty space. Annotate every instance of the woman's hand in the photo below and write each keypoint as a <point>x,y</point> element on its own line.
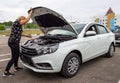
<point>31,11</point>
<point>23,22</point>
<point>29,36</point>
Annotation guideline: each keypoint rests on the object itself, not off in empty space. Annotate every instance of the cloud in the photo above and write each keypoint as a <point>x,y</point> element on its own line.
<point>82,10</point>
<point>7,14</point>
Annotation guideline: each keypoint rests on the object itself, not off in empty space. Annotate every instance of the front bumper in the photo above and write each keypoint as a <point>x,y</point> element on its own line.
<point>38,70</point>
<point>54,59</point>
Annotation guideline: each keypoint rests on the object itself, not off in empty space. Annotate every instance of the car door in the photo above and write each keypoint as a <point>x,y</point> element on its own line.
<point>92,48</point>
<point>104,37</point>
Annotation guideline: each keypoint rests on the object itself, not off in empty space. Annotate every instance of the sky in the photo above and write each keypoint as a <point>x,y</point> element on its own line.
<point>72,10</point>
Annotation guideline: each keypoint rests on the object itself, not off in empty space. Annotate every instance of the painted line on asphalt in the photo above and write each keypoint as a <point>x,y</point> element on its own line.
<point>4,59</point>
<point>4,54</point>
<point>3,45</point>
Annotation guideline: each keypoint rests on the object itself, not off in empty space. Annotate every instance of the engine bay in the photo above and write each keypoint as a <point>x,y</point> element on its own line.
<point>51,39</point>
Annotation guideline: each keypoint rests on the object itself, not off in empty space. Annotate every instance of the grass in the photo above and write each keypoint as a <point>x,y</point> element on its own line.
<point>33,31</point>
<point>6,32</point>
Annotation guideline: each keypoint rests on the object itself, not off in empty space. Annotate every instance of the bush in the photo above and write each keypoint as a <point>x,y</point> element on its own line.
<point>2,27</point>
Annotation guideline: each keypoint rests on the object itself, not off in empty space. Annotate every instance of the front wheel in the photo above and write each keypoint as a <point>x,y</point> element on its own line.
<point>111,51</point>
<point>71,65</point>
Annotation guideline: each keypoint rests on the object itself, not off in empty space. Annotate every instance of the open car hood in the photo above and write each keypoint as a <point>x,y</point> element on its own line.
<point>48,19</point>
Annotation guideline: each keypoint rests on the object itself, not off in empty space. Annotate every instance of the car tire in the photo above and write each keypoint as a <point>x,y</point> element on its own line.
<point>71,65</point>
<point>110,51</point>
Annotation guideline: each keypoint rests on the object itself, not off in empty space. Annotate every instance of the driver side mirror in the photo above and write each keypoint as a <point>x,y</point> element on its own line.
<point>90,33</point>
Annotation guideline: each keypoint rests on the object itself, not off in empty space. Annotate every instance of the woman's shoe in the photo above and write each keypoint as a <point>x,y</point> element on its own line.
<point>18,68</point>
<point>8,74</point>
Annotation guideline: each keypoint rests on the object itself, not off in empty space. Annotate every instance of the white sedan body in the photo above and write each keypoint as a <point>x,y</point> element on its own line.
<point>89,47</point>
<point>64,46</point>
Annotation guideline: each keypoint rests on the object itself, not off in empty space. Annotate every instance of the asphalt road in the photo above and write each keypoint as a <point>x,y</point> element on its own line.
<point>99,70</point>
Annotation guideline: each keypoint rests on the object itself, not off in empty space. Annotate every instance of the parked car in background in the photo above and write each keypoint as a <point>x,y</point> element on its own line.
<point>117,35</point>
<point>64,47</point>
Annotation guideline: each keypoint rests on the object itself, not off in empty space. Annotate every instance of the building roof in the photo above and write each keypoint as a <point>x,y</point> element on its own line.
<point>109,11</point>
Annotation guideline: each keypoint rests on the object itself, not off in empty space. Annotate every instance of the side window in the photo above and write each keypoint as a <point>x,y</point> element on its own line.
<point>91,28</point>
<point>102,29</point>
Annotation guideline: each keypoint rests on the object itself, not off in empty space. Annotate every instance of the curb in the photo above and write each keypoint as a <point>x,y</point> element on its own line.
<point>26,34</point>
<point>3,35</point>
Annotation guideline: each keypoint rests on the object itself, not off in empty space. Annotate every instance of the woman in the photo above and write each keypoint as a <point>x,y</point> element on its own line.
<point>13,42</point>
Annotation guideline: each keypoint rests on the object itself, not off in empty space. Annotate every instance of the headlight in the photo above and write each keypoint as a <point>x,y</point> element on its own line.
<point>27,43</point>
<point>48,49</point>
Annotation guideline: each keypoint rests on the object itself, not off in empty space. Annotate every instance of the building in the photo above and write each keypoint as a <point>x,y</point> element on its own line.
<point>117,18</point>
<point>110,20</point>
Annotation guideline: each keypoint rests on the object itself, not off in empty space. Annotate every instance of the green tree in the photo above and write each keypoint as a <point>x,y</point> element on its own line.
<point>2,27</point>
<point>9,23</point>
<point>31,26</point>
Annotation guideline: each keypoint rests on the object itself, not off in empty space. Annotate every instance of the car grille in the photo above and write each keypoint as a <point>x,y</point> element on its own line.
<point>26,59</point>
<point>28,51</point>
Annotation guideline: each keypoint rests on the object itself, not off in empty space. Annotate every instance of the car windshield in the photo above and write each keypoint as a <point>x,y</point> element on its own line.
<point>60,32</point>
<point>78,27</point>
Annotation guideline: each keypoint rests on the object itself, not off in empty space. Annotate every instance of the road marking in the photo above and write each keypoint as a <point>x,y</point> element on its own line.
<point>4,45</point>
<point>4,54</point>
<point>5,59</point>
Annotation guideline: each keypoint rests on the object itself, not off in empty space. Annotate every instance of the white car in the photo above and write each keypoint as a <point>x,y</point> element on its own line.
<point>64,47</point>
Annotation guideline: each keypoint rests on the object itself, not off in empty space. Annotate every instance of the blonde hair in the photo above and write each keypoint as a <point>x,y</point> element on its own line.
<point>21,18</point>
